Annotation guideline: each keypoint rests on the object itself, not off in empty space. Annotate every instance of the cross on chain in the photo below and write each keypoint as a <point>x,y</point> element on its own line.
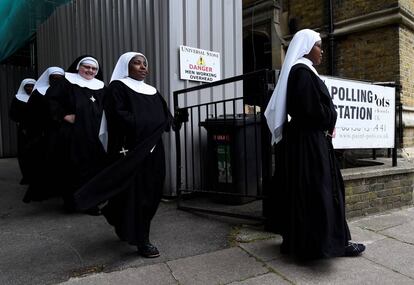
<point>123,151</point>
<point>92,99</point>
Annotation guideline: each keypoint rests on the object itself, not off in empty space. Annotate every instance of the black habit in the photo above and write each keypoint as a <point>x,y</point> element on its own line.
<point>134,181</point>
<point>18,113</point>
<point>310,191</point>
<point>43,144</point>
<point>78,154</point>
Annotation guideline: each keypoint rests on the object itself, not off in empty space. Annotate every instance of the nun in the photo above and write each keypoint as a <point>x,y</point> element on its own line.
<point>310,212</point>
<point>18,113</point>
<point>78,126</point>
<point>39,142</point>
<point>137,117</point>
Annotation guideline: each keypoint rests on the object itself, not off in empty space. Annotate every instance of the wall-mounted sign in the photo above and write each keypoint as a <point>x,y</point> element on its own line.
<point>366,114</point>
<point>199,64</point>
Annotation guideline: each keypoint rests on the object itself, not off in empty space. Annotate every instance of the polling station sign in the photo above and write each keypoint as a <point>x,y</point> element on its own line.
<point>199,64</point>
<point>366,113</point>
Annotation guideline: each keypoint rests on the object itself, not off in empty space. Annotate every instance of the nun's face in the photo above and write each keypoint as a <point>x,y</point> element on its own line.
<point>315,55</point>
<point>53,78</point>
<point>28,88</point>
<point>137,68</point>
<point>87,71</point>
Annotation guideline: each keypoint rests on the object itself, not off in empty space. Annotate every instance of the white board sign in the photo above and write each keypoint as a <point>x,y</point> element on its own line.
<point>199,64</point>
<point>366,114</point>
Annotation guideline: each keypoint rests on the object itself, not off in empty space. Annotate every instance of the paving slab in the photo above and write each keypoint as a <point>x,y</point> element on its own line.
<point>264,250</point>
<point>266,279</point>
<point>364,236</point>
<point>249,233</point>
<point>382,222</point>
<point>408,211</point>
<point>393,254</point>
<point>341,271</point>
<point>220,267</point>
<point>404,232</point>
<point>22,252</point>
<point>147,275</point>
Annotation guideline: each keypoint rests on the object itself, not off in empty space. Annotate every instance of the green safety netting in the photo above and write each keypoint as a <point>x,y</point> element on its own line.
<point>19,20</point>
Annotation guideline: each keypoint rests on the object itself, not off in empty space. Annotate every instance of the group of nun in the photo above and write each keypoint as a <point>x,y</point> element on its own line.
<point>97,147</point>
<point>104,145</point>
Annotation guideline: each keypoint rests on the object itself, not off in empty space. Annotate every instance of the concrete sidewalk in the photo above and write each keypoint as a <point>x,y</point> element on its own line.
<point>255,259</point>
<point>41,245</point>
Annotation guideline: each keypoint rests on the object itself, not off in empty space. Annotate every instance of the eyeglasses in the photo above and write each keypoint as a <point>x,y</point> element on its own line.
<point>87,67</point>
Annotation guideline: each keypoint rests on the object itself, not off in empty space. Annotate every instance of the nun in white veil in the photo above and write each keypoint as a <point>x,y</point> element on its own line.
<point>309,194</point>
<point>137,116</point>
<point>76,113</point>
<point>18,107</point>
<point>38,128</point>
<point>37,104</point>
<point>48,78</point>
<point>18,112</point>
<point>275,113</point>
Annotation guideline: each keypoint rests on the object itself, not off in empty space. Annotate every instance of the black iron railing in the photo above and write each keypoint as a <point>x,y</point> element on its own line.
<point>223,147</point>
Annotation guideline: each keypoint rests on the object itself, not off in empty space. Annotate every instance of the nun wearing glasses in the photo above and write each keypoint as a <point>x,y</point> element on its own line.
<point>78,120</point>
<point>309,194</point>
<point>137,117</point>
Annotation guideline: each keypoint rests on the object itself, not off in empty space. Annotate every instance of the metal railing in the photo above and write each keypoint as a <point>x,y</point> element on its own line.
<point>223,147</point>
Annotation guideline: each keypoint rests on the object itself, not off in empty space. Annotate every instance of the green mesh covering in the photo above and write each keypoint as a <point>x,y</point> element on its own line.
<point>19,20</point>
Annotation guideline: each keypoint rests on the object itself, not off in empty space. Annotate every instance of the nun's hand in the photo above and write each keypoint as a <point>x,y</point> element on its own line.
<point>69,118</point>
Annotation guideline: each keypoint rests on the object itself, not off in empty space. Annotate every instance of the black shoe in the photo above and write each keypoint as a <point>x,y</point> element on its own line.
<point>148,250</point>
<point>354,249</point>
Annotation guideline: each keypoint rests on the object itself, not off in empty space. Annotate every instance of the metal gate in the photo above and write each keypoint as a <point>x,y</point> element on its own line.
<point>224,157</point>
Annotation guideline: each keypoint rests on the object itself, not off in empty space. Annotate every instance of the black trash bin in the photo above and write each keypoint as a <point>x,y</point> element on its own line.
<point>233,157</point>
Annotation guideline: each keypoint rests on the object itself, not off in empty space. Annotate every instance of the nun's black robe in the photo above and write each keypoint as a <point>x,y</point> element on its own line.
<point>309,187</point>
<point>18,113</point>
<point>42,142</point>
<point>78,154</point>
<point>133,183</point>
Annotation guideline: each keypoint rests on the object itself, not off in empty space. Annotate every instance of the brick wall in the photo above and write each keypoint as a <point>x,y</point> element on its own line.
<point>376,194</point>
<point>370,55</point>
<point>345,9</point>
<point>308,14</point>
<point>407,4</point>
<point>408,137</point>
<point>406,63</point>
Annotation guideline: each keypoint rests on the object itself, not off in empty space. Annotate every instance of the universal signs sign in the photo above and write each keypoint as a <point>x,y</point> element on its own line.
<point>366,114</point>
<point>199,65</point>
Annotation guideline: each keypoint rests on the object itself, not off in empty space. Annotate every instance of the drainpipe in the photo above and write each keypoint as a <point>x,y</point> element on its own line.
<point>331,40</point>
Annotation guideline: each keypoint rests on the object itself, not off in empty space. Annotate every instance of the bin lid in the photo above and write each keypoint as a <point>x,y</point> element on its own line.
<point>231,120</point>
